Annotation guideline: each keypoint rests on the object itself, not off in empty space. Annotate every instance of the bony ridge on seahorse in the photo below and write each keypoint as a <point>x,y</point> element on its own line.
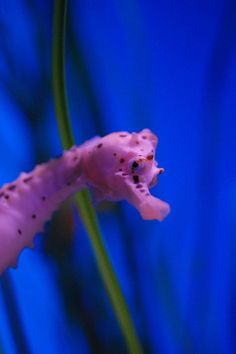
<point>115,167</point>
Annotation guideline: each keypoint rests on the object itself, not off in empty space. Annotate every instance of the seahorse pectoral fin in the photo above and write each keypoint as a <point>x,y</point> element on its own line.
<point>98,195</point>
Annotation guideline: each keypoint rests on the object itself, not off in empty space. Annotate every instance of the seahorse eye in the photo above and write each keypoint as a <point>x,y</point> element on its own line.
<point>135,165</point>
<point>138,166</point>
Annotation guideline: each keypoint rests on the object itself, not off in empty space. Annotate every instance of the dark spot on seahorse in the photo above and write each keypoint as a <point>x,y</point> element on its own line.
<point>135,164</point>
<point>115,154</point>
<point>123,135</point>
<point>122,160</point>
<point>141,149</point>
<point>147,194</point>
<point>26,180</point>
<point>142,190</point>
<point>1,194</point>
<point>68,183</point>
<point>144,137</point>
<point>75,158</point>
<point>19,231</point>
<point>33,216</point>
<point>150,157</point>
<point>136,179</point>
<point>120,169</point>
<point>99,145</point>
<point>11,188</point>
<point>139,186</point>
<point>124,174</point>
<point>137,142</point>
<point>43,198</point>
<point>6,196</point>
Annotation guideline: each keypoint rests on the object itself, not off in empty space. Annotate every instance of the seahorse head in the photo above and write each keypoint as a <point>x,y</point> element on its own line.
<point>123,166</point>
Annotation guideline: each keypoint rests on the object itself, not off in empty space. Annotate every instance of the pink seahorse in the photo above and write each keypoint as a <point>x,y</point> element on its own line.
<point>115,167</point>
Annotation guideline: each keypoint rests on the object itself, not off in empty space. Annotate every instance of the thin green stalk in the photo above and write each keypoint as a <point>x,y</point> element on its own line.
<point>58,74</point>
<point>83,200</point>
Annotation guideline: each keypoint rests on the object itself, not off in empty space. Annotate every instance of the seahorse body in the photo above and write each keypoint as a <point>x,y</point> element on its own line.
<point>117,166</point>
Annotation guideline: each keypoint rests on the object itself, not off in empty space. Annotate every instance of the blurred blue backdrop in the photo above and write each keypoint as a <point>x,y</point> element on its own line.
<point>166,65</point>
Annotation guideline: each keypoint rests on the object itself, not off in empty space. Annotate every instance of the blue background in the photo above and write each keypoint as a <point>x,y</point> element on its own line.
<point>166,65</point>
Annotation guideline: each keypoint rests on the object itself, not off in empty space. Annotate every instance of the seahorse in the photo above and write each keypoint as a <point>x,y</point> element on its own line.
<point>118,166</point>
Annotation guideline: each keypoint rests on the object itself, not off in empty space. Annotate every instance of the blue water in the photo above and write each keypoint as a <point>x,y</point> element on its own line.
<point>169,66</point>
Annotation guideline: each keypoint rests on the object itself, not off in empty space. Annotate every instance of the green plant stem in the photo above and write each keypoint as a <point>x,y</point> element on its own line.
<point>83,199</point>
<point>58,73</point>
